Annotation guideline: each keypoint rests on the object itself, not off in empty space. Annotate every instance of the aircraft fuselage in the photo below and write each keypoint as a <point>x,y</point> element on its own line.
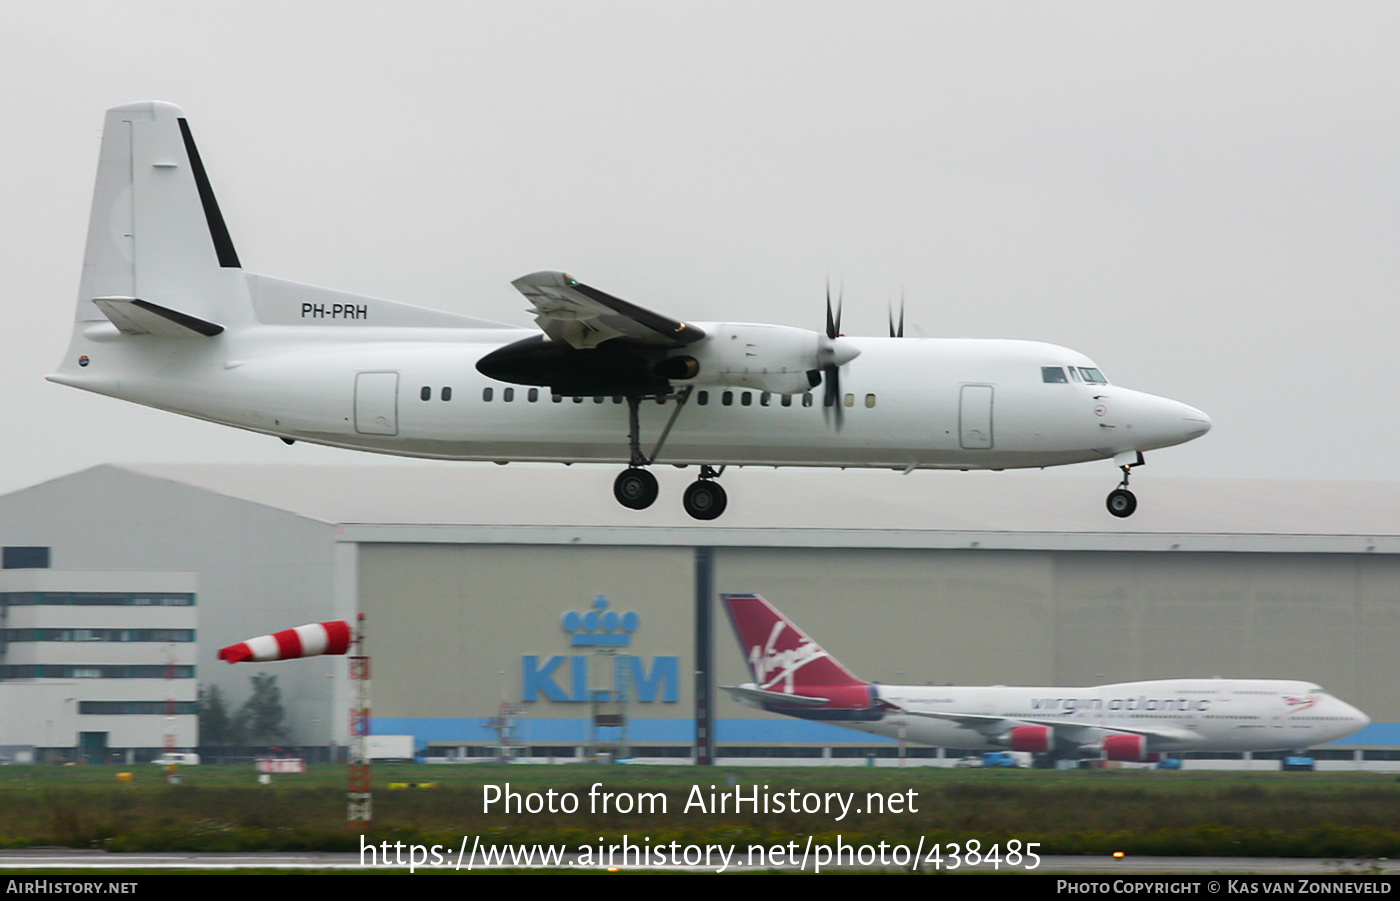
<point>1184,714</point>
<point>911,402</point>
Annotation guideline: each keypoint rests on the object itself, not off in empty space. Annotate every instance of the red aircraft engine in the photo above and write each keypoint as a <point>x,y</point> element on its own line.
<point>1130,748</point>
<point>1036,739</point>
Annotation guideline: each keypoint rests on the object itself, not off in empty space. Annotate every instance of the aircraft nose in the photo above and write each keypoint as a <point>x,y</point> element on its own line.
<point>1150,421</point>
<point>1195,422</point>
<point>1352,720</point>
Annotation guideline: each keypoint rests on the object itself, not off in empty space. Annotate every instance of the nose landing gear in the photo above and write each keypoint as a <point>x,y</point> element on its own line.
<point>1122,502</point>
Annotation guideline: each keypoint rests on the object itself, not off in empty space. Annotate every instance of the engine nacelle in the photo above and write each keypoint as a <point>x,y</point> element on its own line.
<point>1129,748</point>
<point>776,358</point>
<point>1035,739</point>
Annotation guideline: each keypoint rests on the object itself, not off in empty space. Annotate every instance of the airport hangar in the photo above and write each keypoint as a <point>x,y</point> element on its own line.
<point>476,582</point>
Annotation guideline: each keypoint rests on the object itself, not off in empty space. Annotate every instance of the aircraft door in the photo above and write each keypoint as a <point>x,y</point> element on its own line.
<point>975,417</point>
<point>377,403</point>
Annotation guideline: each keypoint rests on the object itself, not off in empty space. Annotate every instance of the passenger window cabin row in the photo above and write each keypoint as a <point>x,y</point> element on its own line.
<point>702,398</point>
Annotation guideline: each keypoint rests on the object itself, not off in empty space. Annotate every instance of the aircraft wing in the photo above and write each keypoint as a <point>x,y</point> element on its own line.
<point>573,313</point>
<point>759,695</point>
<point>982,721</point>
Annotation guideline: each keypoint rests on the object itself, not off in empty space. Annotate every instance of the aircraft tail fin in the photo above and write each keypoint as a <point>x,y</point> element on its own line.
<point>159,258</point>
<point>783,660</point>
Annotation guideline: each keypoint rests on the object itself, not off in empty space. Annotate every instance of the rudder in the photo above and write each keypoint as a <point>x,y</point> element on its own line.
<point>781,657</point>
<point>156,234</point>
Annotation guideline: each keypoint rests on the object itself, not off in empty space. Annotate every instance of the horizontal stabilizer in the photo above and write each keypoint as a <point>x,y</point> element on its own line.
<point>779,698</point>
<point>133,316</point>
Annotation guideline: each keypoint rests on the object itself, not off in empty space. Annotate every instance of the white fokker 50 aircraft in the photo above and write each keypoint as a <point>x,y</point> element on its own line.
<point>1128,721</point>
<point>167,317</point>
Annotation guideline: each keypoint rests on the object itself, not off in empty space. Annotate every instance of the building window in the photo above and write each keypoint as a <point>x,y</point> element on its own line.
<point>25,558</point>
<point>110,671</point>
<point>136,708</point>
<point>94,599</point>
<point>155,635</point>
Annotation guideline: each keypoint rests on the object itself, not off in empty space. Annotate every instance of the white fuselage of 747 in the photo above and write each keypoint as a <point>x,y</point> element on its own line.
<point>1126,721</point>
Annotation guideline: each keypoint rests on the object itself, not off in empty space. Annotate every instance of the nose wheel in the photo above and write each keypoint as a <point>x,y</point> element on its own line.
<point>1121,501</point>
<point>635,488</point>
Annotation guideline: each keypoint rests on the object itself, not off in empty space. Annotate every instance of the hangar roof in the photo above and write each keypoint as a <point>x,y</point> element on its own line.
<point>458,502</point>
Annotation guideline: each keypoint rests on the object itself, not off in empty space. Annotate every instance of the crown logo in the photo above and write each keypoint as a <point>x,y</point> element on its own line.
<point>600,627</point>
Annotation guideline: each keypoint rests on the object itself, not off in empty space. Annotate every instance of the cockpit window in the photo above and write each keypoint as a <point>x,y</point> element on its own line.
<point>1052,374</point>
<point>1092,375</point>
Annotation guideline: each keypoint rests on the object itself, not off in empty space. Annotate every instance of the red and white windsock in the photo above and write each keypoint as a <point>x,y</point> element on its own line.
<point>303,641</point>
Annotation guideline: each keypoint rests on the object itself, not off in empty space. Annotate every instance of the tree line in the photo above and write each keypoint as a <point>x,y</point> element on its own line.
<point>258,721</point>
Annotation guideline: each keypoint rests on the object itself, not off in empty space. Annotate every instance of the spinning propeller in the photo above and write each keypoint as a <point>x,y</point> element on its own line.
<point>832,353</point>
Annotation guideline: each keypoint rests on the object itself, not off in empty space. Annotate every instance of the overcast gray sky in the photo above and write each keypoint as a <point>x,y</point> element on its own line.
<point>1203,197</point>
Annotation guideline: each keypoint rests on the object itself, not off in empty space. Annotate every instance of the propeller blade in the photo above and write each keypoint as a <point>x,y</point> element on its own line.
<point>831,372</point>
<point>831,397</point>
<point>899,330</point>
<point>833,325</point>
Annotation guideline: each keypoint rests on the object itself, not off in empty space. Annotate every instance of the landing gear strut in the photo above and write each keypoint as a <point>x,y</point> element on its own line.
<point>705,498</point>
<point>635,487</point>
<point>1121,501</point>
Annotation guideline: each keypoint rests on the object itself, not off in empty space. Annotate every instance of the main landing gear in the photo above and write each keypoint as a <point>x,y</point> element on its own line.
<point>635,487</point>
<point>1121,501</point>
<point>705,498</point>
